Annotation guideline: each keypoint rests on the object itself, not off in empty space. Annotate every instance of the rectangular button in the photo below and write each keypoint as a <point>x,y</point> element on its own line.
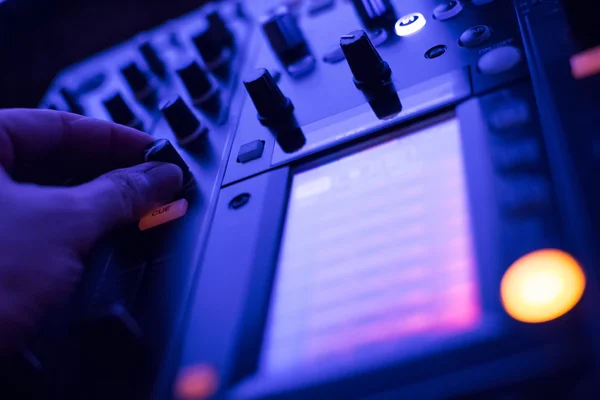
<point>251,151</point>
<point>162,215</point>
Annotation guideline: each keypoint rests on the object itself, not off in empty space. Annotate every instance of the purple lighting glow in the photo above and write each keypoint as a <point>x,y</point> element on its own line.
<point>376,255</point>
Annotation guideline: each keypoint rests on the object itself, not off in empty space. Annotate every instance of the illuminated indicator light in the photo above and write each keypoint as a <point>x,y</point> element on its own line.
<point>542,286</point>
<point>162,215</point>
<point>410,24</point>
<point>586,64</point>
<point>196,382</point>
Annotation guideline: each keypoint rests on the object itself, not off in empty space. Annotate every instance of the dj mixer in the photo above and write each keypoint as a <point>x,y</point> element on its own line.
<point>383,199</point>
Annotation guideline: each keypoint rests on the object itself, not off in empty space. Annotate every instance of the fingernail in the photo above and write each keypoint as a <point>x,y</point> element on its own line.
<point>165,181</point>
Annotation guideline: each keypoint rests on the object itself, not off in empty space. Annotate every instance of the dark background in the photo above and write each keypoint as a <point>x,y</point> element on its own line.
<point>38,38</point>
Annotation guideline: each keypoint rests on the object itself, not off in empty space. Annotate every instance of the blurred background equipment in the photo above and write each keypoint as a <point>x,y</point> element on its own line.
<point>39,38</point>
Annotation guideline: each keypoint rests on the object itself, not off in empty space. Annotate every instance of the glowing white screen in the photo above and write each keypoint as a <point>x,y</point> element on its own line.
<point>376,254</point>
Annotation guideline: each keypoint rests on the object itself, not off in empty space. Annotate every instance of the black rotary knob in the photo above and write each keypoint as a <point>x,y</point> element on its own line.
<point>163,151</point>
<point>376,14</point>
<point>287,40</point>
<point>121,113</point>
<point>269,100</point>
<point>364,60</point>
<point>214,52</point>
<point>220,29</point>
<point>202,90</point>
<point>139,83</point>
<point>186,127</point>
<point>275,110</point>
<point>71,100</point>
<point>156,65</point>
<point>372,75</point>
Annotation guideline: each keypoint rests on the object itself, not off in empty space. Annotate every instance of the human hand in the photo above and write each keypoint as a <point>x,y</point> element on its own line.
<point>46,230</point>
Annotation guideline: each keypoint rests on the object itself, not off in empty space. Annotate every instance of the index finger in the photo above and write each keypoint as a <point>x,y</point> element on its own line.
<point>34,136</point>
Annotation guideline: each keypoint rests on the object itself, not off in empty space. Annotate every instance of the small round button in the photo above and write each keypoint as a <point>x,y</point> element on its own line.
<point>378,37</point>
<point>436,51</point>
<point>501,59</point>
<point>410,24</point>
<point>447,10</point>
<point>475,36</point>
<point>334,55</point>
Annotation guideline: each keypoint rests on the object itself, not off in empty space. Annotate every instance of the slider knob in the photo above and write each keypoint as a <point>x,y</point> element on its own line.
<point>275,111</point>
<point>139,84</point>
<point>202,90</point>
<point>214,53</point>
<point>376,14</point>
<point>372,75</point>
<point>220,29</point>
<point>156,65</point>
<point>121,113</point>
<point>184,124</point>
<point>71,100</point>
<point>364,60</point>
<point>162,150</point>
<point>288,42</point>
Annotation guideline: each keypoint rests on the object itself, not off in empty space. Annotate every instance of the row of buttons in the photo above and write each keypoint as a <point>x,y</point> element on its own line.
<point>518,154</point>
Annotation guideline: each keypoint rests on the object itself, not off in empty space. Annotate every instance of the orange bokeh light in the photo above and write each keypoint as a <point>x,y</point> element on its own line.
<point>542,286</point>
<point>196,382</point>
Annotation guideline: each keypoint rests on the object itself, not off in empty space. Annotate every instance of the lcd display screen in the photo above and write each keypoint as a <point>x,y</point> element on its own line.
<point>376,255</point>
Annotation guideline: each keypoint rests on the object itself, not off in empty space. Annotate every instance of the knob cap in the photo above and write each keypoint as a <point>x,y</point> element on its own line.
<point>184,124</point>
<point>286,38</point>
<point>365,62</point>
<point>139,84</point>
<point>376,14</point>
<point>200,87</point>
<point>120,112</point>
<point>214,53</point>
<point>71,101</point>
<point>163,151</point>
<point>275,111</point>
<point>220,29</point>
<point>156,65</point>
<point>269,100</point>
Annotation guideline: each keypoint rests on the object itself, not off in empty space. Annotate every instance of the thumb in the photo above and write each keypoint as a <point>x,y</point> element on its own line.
<point>124,196</point>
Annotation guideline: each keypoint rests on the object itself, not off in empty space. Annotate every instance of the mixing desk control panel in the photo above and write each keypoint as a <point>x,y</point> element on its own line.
<point>382,199</point>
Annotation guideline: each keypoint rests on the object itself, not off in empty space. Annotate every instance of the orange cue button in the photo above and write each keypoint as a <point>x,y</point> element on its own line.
<point>586,64</point>
<point>196,382</point>
<point>162,215</point>
<point>542,286</point>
